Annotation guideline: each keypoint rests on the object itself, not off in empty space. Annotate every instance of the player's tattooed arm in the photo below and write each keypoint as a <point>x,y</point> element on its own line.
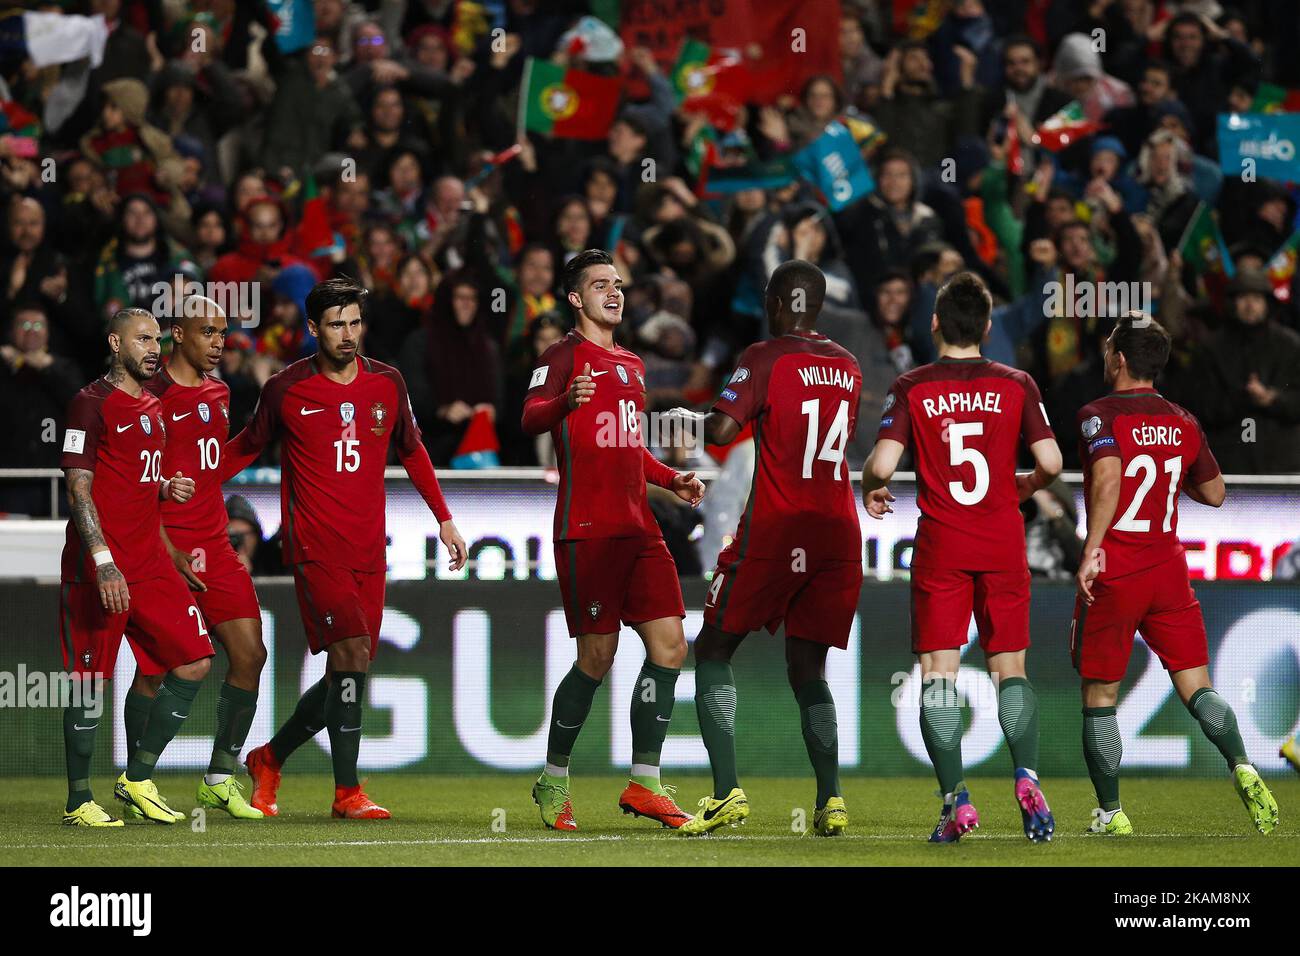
<point>113,591</point>
<point>1103,500</point>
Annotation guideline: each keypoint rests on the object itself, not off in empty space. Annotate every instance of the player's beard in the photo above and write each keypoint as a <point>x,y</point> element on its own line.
<point>139,370</point>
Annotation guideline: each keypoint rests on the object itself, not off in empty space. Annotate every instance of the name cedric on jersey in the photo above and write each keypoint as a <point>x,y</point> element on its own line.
<point>963,402</point>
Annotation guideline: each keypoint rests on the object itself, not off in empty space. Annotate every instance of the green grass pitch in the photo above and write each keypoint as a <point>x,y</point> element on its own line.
<point>449,821</point>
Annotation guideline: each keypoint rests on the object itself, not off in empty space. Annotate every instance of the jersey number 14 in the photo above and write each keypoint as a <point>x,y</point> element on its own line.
<point>837,437</point>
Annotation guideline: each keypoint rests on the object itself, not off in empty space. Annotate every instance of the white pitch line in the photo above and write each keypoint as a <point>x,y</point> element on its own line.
<point>609,838</point>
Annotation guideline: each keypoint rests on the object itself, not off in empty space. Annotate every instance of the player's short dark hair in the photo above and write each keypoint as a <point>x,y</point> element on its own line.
<point>1144,343</point>
<point>963,307</point>
<point>331,294</point>
<point>799,274</point>
<point>122,316</point>
<point>575,267</point>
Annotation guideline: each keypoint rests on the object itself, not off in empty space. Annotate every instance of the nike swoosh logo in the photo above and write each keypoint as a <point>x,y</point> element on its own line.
<point>78,727</point>
<point>304,411</point>
<point>122,428</point>
<point>710,814</point>
<point>177,418</point>
<point>349,730</point>
<point>662,719</point>
<point>178,716</point>
<point>566,726</point>
<point>594,374</point>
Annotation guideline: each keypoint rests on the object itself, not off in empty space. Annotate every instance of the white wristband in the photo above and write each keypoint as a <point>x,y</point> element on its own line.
<point>102,558</point>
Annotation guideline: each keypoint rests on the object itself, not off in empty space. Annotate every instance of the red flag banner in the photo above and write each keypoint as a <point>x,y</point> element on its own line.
<point>783,44</point>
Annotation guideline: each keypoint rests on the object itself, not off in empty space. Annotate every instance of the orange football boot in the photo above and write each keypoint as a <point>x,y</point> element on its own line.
<point>351,803</point>
<point>641,802</point>
<point>265,774</point>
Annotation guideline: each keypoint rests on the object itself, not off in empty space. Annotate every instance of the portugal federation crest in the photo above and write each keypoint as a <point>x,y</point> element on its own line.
<point>594,609</point>
<point>378,418</point>
<point>205,412</point>
<point>347,411</point>
<point>622,373</point>
<point>146,425</point>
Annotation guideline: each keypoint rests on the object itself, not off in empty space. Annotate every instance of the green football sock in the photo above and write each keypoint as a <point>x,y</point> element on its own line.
<point>941,730</point>
<point>1018,715</point>
<point>171,705</point>
<point>306,721</point>
<point>235,710</point>
<point>1103,749</point>
<point>135,715</point>
<point>653,697</point>
<point>78,748</point>
<point>820,736</point>
<point>715,705</point>
<point>347,690</point>
<point>1219,723</point>
<point>569,709</point>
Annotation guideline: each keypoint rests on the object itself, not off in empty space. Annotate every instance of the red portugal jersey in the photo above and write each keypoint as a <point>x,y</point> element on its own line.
<point>334,447</point>
<point>121,440</point>
<point>599,446</point>
<point>801,391</point>
<point>1161,447</point>
<point>198,423</point>
<point>963,419</point>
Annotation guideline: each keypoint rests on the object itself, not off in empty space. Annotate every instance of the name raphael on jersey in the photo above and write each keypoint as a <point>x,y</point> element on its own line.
<point>962,402</point>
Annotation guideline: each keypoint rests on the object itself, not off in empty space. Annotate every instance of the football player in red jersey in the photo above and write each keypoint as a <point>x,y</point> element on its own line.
<point>1139,451</point>
<point>116,573</point>
<point>196,408</point>
<point>610,555</point>
<point>336,413</point>
<point>796,556</point>
<point>964,417</point>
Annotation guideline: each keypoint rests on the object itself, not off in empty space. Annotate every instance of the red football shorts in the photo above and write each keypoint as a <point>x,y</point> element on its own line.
<point>1159,602</point>
<point>817,603</point>
<point>230,594</point>
<point>338,603</point>
<point>943,601</point>
<point>605,581</point>
<point>163,625</point>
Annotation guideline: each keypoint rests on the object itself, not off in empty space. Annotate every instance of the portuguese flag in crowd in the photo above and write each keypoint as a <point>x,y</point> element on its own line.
<point>1281,268</point>
<point>710,83</point>
<point>1275,99</point>
<point>1202,245</point>
<point>567,104</point>
<point>1064,128</point>
<point>18,121</point>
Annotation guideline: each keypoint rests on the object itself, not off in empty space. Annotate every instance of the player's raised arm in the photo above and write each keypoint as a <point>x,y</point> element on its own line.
<point>242,450</point>
<point>113,592</point>
<point>549,400</point>
<point>1103,499</point>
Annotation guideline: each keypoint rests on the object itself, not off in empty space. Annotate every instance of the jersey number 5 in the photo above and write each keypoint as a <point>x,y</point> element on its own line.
<point>958,454</point>
<point>836,438</point>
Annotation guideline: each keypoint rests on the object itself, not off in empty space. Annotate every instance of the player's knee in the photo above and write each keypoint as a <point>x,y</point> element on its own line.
<point>247,658</point>
<point>195,670</point>
<point>596,659</point>
<point>714,645</point>
<point>674,656</point>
